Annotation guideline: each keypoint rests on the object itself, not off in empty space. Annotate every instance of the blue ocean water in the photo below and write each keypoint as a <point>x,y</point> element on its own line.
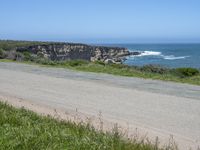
<point>168,55</point>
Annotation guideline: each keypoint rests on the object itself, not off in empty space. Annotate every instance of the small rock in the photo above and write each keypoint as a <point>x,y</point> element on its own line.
<point>109,61</point>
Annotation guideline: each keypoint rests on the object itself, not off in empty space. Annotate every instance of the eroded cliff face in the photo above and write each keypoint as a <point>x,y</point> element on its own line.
<point>70,51</point>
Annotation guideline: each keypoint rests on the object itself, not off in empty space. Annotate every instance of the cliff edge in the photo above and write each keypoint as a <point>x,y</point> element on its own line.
<point>71,51</point>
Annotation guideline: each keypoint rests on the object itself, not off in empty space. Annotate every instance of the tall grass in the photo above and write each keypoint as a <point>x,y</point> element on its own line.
<point>21,129</point>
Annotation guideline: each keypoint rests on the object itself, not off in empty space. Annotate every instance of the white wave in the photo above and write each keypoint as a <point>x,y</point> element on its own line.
<point>172,57</point>
<point>150,53</point>
<point>159,54</point>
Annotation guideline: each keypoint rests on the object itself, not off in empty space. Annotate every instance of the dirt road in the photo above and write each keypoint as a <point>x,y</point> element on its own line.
<point>158,108</point>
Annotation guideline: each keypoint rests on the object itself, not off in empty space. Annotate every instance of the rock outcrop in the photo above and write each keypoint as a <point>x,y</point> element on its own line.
<point>71,51</point>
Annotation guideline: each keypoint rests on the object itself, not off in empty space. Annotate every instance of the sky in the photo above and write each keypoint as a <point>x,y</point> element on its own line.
<point>101,21</point>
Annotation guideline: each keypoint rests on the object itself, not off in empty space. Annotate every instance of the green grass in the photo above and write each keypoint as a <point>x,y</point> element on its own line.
<point>21,129</point>
<point>6,60</point>
<point>11,44</point>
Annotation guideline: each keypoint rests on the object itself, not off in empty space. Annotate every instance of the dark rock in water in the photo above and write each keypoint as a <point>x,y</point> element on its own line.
<point>135,53</point>
<point>71,51</point>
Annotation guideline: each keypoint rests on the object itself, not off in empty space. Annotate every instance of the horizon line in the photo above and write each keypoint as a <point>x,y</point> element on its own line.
<point>107,43</point>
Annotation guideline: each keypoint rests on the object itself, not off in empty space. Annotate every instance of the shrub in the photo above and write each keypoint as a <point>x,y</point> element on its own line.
<point>40,55</point>
<point>74,63</point>
<point>11,55</point>
<point>19,56</point>
<point>118,66</point>
<point>2,54</point>
<point>186,72</point>
<point>154,69</point>
<point>45,61</point>
<point>27,56</point>
<point>100,63</point>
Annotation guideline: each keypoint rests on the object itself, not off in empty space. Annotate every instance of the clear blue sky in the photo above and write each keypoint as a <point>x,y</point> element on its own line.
<point>101,21</point>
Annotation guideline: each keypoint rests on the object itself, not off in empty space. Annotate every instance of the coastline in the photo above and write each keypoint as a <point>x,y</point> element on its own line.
<point>167,55</point>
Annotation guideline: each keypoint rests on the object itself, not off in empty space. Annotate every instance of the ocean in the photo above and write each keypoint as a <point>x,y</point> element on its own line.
<point>167,55</point>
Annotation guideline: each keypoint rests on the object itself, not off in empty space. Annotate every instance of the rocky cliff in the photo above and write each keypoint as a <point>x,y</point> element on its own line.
<point>70,51</point>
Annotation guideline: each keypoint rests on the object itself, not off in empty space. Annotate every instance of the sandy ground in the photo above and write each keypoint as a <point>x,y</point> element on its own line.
<point>155,108</point>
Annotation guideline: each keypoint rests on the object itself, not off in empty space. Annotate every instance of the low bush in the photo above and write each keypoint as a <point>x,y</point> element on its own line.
<point>154,69</point>
<point>118,66</point>
<point>19,56</point>
<point>45,61</point>
<point>40,55</point>
<point>27,56</point>
<point>99,63</point>
<point>75,63</point>
<point>11,55</point>
<point>186,72</point>
<point>2,54</point>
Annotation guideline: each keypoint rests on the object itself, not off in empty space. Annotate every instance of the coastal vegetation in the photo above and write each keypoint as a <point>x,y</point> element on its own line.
<point>11,44</point>
<point>183,75</point>
<point>21,129</point>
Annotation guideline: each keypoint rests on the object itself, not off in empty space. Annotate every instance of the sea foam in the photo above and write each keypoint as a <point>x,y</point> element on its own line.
<point>150,53</point>
<point>172,57</point>
<point>160,55</point>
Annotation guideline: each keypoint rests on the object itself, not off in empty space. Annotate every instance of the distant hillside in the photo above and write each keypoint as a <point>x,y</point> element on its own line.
<point>11,44</point>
